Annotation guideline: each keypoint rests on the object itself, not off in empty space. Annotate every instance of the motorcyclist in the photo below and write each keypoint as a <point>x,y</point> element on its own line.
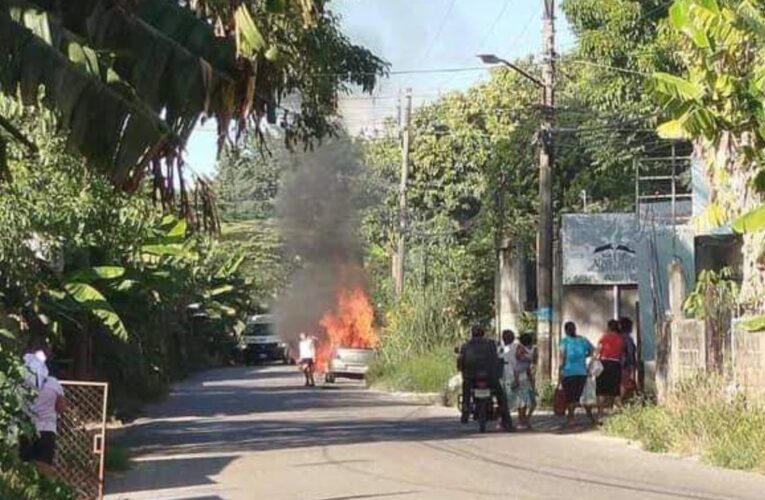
<point>477,355</point>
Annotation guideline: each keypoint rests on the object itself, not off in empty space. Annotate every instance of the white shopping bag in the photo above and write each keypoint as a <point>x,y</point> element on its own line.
<point>589,394</point>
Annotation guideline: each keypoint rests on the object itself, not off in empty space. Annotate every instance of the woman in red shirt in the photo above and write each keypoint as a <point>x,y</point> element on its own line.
<point>610,352</point>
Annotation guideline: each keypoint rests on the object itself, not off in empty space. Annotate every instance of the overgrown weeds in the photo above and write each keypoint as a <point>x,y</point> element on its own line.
<point>416,353</point>
<point>703,417</point>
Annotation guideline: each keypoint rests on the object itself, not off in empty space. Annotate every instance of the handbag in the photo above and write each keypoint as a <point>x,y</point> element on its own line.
<point>559,401</point>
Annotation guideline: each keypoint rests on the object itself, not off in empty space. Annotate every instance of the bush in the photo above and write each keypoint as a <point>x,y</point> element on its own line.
<point>420,322</point>
<point>427,372</point>
<point>417,345</point>
<point>20,481</point>
<point>701,417</point>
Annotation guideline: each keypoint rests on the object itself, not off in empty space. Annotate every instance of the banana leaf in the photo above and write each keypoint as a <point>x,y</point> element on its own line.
<point>94,302</point>
<point>101,121</point>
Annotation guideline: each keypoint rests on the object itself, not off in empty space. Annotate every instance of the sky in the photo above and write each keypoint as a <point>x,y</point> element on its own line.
<point>420,35</point>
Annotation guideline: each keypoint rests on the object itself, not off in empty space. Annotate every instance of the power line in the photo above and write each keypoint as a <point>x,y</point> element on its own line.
<point>493,26</point>
<point>604,66</point>
<point>438,31</point>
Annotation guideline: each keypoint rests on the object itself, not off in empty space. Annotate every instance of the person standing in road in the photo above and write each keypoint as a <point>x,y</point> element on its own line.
<point>527,399</point>
<point>508,354</point>
<point>480,354</point>
<point>307,361</point>
<point>611,353</point>
<point>574,351</point>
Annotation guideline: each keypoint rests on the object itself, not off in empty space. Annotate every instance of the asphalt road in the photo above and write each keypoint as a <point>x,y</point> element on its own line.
<point>243,433</point>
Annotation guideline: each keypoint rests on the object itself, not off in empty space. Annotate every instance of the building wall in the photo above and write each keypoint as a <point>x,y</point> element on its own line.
<point>749,359</point>
<point>591,306</point>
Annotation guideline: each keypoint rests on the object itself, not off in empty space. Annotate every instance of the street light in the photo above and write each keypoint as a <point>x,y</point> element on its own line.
<point>493,59</point>
<point>545,227</point>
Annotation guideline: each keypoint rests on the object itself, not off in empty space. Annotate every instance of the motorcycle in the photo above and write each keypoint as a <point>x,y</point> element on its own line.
<point>483,406</point>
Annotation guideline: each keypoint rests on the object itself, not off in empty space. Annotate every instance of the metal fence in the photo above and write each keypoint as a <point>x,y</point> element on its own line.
<point>81,438</point>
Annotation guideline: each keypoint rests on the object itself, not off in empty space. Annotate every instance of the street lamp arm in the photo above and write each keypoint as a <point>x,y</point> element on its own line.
<point>492,59</point>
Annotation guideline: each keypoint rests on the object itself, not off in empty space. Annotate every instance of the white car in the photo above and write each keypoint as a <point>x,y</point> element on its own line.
<point>350,363</point>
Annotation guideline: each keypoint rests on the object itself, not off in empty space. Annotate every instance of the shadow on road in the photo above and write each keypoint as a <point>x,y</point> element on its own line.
<point>163,474</point>
<point>224,413</point>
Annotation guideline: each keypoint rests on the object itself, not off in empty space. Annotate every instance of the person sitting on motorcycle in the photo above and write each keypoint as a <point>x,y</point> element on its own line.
<point>478,355</point>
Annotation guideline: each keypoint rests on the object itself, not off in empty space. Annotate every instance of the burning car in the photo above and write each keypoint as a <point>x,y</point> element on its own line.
<point>349,339</point>
<point>349,362</point>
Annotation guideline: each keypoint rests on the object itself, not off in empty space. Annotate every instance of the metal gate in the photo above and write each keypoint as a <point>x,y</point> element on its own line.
<point>81,438</point>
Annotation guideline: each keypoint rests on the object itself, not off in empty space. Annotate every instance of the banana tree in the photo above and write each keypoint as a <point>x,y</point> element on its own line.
<point>719,103</point>
<point>130,80</point>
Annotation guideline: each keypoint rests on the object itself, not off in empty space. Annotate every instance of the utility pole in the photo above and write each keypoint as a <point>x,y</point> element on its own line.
<point>400,260</point>
<point>545,230</point>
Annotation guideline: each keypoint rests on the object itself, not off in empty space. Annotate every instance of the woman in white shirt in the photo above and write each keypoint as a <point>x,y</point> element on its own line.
<point>44,410</point>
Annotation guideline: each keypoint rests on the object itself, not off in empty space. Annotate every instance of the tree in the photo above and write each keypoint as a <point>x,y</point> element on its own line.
<point>620,43</point>
<point>718,103</point>
<point>473,182</point>
<point>130,80</point>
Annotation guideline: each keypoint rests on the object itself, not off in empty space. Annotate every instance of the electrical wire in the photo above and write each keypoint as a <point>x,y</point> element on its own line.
<point>438,31</point>
<point>493,26</point>
<point>604,66</point>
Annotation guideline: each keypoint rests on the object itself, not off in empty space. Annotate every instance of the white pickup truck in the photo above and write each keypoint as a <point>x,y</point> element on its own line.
<point>259,341</point>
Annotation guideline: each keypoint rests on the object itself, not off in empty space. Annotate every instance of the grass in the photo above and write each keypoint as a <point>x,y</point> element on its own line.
<point>700,417</point>
<point>416,352</point>
<point>117,459</point>
<point>427,372</point>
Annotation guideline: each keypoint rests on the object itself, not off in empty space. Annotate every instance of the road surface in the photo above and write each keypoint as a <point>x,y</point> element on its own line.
<point>244,433</point>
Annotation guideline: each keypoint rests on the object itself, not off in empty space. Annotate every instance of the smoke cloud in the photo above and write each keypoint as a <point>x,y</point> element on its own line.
<point>318,219</point>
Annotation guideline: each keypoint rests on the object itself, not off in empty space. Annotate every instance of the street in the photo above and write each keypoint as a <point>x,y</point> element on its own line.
<point>256,433</point>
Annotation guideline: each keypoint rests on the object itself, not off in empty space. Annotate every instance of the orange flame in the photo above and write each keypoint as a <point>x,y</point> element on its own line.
<point>350,324</point>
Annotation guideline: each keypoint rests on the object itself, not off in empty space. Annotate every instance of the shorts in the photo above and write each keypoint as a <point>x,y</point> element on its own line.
<point>306,362</point>
<point>573,387</point>
<point>40,448</point>
<point>610,381</point>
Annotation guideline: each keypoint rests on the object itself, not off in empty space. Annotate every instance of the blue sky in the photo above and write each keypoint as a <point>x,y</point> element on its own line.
<point>421,34</point>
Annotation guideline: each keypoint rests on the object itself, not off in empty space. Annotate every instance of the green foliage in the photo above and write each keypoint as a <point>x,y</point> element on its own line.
<point>700,417</point>
<point>754,323</point>
<point>247,181</point>
<point>714,295</point>
<point>620,42</point>
<point>417,342</point>
<point>750,222</point>
<point>473,184</point>
<point>21,481</point>
<point>18,480</point>
<point>107,278</point>
<point>424,372</point>
<point>422,320</point>
<point>128,79</point>
<point>718,102</point>
<point>13,395</point>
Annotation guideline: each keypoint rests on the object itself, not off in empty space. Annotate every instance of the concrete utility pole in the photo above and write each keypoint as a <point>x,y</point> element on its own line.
<point>545,230</point>
<point>400,260</point>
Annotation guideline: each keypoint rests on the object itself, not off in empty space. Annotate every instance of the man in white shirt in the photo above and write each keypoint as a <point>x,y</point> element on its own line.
<point>307,351</point>
<point>44,410</point>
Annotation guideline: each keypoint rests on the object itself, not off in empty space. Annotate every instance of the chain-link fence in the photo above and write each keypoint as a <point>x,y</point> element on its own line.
<point>81,435</point>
